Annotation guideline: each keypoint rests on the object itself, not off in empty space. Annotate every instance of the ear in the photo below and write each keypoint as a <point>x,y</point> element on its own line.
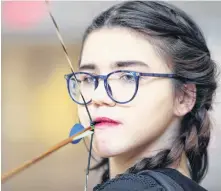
<point>185,99</point>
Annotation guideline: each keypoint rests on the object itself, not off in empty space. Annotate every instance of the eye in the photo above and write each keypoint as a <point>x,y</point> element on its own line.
<point>87,79</point>
<point>83,78</point>
<point>126,77</point>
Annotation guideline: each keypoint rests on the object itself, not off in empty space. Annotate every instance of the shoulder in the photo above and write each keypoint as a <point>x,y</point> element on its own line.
<point>185,182</point>
<point>157,180</point>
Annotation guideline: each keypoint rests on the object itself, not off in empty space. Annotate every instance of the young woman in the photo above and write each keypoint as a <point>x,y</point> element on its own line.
<point>148,80</point>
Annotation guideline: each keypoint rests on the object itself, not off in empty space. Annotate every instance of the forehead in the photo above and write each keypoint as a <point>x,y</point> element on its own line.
<point>106,46</point>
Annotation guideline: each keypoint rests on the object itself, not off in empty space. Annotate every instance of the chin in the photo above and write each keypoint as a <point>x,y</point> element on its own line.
<point>106,149</point>
<point>103,153</point>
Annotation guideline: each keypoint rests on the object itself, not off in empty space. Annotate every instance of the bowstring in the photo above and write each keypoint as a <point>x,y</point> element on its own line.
<point>72,70</point>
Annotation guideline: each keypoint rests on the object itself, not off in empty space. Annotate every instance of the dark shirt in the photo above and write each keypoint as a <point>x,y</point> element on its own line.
<point>185,182</point>
<point>144,182</point>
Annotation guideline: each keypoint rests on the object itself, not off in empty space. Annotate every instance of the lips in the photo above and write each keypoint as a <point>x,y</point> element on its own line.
<point>104,122</point>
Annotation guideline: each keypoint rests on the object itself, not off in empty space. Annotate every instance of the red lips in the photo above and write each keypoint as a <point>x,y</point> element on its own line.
<point>102,122</point>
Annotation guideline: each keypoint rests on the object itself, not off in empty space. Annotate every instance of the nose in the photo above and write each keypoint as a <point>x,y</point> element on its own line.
<point>100,96</point>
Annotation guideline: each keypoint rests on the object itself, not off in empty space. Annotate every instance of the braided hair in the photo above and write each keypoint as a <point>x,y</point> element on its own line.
<point>177,38</point>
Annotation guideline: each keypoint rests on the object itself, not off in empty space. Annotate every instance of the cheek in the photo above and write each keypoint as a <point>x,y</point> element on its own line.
<point>151,111</point>
<point>155,96</point>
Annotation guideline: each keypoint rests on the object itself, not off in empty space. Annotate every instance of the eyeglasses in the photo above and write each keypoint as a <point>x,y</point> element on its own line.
<point>121,86</point>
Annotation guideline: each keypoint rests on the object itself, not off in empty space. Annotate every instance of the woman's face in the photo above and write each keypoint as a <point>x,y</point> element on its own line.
<point>145,118</point>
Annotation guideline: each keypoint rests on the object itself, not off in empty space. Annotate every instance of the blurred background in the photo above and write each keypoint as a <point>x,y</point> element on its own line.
<point>36,109</point>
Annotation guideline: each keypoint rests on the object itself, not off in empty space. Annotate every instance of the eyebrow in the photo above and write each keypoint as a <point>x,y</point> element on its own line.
<point>130,63</point>
<point>89,66</point>
<point>117,64</point>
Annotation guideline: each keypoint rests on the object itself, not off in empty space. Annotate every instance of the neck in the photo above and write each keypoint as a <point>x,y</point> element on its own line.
<point>119,164</point>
